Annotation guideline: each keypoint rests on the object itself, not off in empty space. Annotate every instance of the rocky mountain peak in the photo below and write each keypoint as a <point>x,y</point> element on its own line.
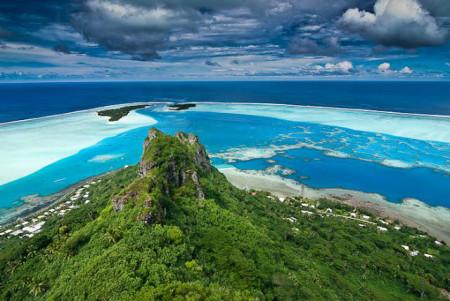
<point>168,162</point>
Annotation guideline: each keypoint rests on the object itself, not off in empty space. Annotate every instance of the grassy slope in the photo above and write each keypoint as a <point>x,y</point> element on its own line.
<point>231,246</point>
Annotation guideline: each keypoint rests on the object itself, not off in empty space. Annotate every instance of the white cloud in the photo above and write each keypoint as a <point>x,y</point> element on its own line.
<point>403,23</point>
<point>406,70</point>
<point>384,67</point>
<point>343,67</point>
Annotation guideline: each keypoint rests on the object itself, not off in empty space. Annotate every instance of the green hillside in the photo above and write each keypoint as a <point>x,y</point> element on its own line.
<point>173,228</point>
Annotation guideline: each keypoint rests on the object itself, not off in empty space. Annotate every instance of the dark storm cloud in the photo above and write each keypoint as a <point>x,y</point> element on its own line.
<point>328,8</point>
<point>22,19</point>
<point>327,46</point>
<point>143,28</point>
<point>62,48</point>
<point>31,14</point>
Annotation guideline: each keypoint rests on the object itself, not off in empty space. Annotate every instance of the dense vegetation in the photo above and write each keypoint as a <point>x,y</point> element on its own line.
<point>159,240</point>
<point>181,106</point>
<point>117,114</point>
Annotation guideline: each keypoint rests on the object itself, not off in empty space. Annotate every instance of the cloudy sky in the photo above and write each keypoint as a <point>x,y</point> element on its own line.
<point>224,39</point>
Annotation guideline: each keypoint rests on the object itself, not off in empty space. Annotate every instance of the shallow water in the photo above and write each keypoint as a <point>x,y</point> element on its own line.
<point>319,155</point>
<point>29,100</point>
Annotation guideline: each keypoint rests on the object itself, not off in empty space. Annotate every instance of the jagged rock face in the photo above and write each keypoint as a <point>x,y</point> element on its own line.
<point>145,167</point>
<point>119,202</point>
<point>176,176</point>
<point>198,187</point>
<point>167,163</point>
<point>201,158</point>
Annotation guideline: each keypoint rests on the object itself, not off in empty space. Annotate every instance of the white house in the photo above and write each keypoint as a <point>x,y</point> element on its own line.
<point>17,232</point>
<point>291,219</point>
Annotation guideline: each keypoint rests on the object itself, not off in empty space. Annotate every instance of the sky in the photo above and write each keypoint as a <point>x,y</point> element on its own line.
<point>50,40</point>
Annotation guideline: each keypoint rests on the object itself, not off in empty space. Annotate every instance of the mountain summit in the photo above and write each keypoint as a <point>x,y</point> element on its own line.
<point>167,163</point>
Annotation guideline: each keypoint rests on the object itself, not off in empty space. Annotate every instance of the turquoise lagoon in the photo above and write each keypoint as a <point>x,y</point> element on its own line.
<point>377,153</point>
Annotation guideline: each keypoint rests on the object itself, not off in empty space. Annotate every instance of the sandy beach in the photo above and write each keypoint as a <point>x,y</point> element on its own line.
<point>432,220</point>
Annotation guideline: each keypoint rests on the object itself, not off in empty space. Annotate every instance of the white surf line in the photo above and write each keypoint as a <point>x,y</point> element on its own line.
<point>413,126</point>
<point>30,145</point>
<point>96,109</point>
<point>232,103</point>
<point>323,107</point>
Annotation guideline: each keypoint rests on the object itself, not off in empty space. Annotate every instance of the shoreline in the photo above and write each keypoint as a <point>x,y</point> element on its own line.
<point>78,111</point>
<point>421,127</point>
<point>233,103</point>
<point>40,142</point>
<point>413,213</point>
<point>406,212</point>
<point>435,221</point>
<point>33,205</point>
<point>325,107</point>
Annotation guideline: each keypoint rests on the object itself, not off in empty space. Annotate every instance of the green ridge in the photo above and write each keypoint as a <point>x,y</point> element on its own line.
<point>173,228</point>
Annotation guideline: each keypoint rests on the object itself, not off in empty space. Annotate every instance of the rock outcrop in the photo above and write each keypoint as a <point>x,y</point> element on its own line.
<point>178,167</point>
<point>167,163</point>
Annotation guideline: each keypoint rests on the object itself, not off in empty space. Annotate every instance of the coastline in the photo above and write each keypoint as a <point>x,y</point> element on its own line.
<point>34,205</point>
<point>422,127</point>
<point>230,103</point>
<point>38,143</point>
<point>78,111</point>
<point>432,220</point>
<point>325,107</point>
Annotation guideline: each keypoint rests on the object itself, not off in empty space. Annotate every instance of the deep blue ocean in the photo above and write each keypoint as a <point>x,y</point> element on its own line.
<point>29,100</point>
<point>228,135</point>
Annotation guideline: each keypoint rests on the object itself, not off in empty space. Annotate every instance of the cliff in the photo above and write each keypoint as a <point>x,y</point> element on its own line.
<point>167,163</point>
